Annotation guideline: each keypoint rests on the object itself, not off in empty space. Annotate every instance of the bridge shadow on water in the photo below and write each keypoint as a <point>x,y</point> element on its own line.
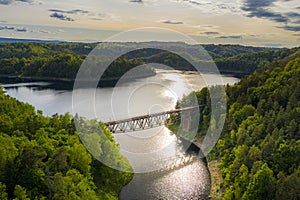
<point>188,178</point>
<point>192,154</point>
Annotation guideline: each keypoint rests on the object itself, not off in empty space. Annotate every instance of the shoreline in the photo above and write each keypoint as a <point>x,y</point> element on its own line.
<point>216,179</point>
<point>237,74</point>
<point>105,82</point>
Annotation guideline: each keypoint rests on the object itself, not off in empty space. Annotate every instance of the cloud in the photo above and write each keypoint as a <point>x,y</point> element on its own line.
<point>208,27</point>
<point>213,7</point>
<point>252,5</point>
<point>8,2</point>
<point>273,16</point>
<point>3,21</point>
<point>21,29</point>
<point>5,2</point>
<point>211,33</point>
<point>96,19</point>
<point>264,35</point>
<point>290,28</point>
<point>260,9</point>
<point>197,3</point>
<point>230,37</point>
<point>194,2</point>
<point>293,14</point>
<point>44,31</point>
<point>61,17</point>
<point>76,11</point>
<point>11,28</point>
<point>60,14</point>
<point>295,17</point>
<point>263,9</point>
<point>171,22</point>
<point>136,1</point>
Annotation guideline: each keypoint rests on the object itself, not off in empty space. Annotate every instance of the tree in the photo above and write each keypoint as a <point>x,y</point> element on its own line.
<point>3,193</point>
<point>261,185</point>
<point>20,193</point>
<point>288,187</point>
<point>73,186</point>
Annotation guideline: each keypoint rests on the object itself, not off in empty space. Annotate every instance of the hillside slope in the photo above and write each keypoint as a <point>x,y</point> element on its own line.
<point>259,147</point>
<point>43,158</point>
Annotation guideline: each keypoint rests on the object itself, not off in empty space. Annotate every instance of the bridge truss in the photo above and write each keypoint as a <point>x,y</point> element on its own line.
<point>145,121</point>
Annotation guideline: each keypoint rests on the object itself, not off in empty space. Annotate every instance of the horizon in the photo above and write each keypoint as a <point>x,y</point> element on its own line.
<point>49,41</point>
<point>274,23</point>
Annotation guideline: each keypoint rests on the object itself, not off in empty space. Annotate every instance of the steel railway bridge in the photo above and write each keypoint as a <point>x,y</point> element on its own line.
<point>150,121</point>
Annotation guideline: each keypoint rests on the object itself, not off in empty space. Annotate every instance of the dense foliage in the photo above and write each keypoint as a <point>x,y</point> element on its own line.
<point>260,144</point>
<point>233,59</point>
<point>62,61</point>
<point>43,158</point>
<point>226,51</point>
<point>54,61</point>
<point>239,65</point>
<point>260,148</point>
<point>248,63</point>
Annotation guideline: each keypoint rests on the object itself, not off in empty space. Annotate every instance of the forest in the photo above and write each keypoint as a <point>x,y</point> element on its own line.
<point>53,61</point>
<point>259,148</point>
<point>62,61</point>
<point>43,158</point>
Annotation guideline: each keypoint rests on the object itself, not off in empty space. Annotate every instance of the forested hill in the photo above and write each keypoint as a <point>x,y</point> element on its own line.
<point>54,61</point>
<point>62,61</point>
<point>23,49</point>
<point>43,158</point>
<point>260,144</point>
<point>260,147</point>
<point>248,63</point>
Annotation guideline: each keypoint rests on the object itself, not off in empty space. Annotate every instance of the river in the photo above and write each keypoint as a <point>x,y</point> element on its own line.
<point>154,150</point>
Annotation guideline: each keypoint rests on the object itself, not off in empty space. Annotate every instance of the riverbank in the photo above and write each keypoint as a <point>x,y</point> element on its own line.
<point>216,179</point>
<point>103,82</point>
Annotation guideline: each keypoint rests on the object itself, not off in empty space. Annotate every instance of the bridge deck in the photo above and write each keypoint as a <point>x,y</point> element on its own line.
<point>142,117</point>
<point>144,121</point>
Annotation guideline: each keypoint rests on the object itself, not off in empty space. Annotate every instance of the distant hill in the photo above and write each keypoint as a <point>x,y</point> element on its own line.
<point>14,40</point>
<point>228,50</point>
<point>61,60</point>
<point>215,51</point>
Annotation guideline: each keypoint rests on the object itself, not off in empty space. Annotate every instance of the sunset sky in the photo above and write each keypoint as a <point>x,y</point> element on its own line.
<point>248,22</point>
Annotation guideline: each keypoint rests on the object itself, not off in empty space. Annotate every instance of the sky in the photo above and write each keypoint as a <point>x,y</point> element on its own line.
<point>273,23</point>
